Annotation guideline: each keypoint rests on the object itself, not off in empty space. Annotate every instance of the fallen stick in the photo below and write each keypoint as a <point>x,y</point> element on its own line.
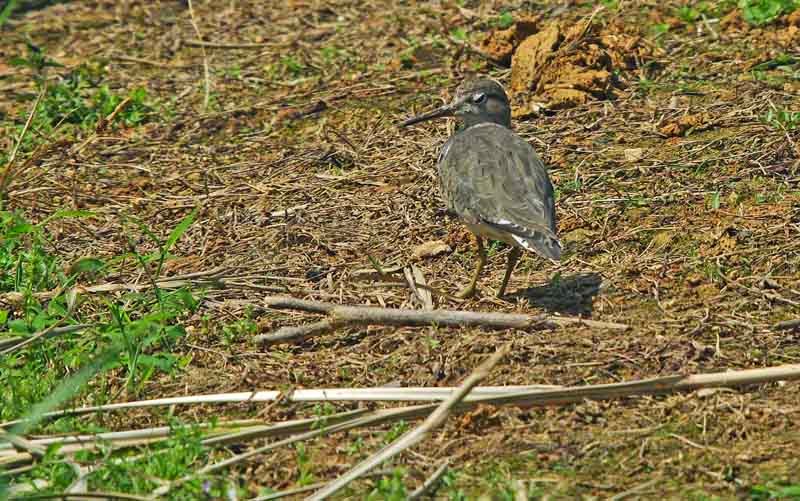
<point>127,436</point>
<point>313,432</point>
<point>407,394</point>
<point>577,394</point>
<point>787,325</point>
<point>652,386</point>
<point>527,395</point>
<point>81,496</point>
<point>340,316</point>
<point>214,45</point>
<point>287,426</point>
<point>418,434</point>
<point>264,431</point>
<point>213,279</point>
<point>210,277</point>
<point>558,396</point>
<point>21,443</point>
<point>284,428</point>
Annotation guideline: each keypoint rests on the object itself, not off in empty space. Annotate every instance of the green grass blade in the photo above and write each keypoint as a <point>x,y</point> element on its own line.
<point>179,230</point>
<point>6,12</point>
<point>66,390</point>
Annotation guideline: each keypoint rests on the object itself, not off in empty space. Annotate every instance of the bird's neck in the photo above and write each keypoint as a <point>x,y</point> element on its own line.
<point>468,122</point>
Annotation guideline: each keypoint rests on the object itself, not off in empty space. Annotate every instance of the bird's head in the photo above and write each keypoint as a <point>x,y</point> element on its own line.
<point>476,101</point>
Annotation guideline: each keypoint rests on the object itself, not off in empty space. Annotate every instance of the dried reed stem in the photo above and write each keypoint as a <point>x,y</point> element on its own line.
<point>433,421</point>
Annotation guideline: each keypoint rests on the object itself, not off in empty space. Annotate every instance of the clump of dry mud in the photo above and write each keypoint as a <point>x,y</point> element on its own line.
<point>500,45</point>
<point>564,65</point>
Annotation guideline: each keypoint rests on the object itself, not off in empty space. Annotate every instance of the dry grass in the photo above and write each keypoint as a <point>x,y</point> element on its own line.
<point>694,243</point>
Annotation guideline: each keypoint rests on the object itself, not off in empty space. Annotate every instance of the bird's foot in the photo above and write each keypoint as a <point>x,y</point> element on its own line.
<point>467,292</point>
<point>503,291</point>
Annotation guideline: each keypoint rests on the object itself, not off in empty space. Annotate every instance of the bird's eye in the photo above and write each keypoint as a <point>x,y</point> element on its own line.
<point>479,98</point>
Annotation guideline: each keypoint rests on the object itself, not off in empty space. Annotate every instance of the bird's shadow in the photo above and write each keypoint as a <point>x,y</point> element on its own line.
<point>572,295</point>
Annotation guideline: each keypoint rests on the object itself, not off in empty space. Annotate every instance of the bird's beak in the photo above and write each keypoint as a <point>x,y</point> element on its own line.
<point>445,111</point>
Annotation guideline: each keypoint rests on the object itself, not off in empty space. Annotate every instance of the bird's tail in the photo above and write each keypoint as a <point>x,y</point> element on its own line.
<point>539,240</point>
<point>540,243</point>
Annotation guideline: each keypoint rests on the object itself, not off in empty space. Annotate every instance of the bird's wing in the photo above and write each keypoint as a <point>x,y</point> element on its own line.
<point>489,175</point>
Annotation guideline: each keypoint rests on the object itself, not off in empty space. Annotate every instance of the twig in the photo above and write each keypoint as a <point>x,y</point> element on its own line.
<point>433,421</point>
<point>710,28</point>
<point>285,428</point>
<point>5,177</point>
<point>635,490</point>
<point>366,315</point>
<point>214,45</point>
<point>787,325</point>
<point>211,278</point>
<point>105,121</point>
<point>280,429</point>
<point>653,386</point>
<point>695,444</point>
<point>13,472</point>
<point>308,488</point>
<point>239,458</point>
<point>38,452</point>
<point>149,62</point>
<point>21,443</point>
<point>12,343</point>
<point>31,339</point>
<point>431,482</point>
<point>128,437</point>
<point>289,211</point>
<point>206,78</point>
<point>298,333</point>
<point>81,495</point>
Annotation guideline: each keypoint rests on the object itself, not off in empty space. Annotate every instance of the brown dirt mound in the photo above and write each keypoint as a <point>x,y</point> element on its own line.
<point>499,45</point>
<point>563,66</point>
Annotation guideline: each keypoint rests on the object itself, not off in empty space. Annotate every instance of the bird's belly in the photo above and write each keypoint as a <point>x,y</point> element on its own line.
<point>486,231</point>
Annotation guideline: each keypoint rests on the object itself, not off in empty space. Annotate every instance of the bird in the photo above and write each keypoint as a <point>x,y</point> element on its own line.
<point>493,180</point>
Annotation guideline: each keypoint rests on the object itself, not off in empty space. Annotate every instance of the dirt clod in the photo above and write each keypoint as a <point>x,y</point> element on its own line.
<point>695,122</point>
<point>793,19</point>
<point>499,45</point>
<point>564,66</point>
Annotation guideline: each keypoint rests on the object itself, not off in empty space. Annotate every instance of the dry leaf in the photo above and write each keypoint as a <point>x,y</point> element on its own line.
<point>430,249</point>
<point>634,154</point>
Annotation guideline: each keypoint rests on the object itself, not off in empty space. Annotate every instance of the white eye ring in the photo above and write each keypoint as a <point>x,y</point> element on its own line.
<point>479,98</point>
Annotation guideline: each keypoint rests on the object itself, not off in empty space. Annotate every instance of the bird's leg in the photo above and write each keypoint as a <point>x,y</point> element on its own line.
<point>513,257</point>
<point>469,290</point>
